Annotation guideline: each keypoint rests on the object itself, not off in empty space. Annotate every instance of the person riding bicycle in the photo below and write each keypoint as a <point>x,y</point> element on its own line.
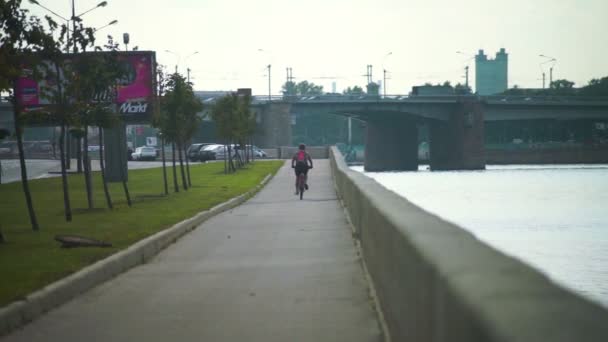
<point>301,162</point>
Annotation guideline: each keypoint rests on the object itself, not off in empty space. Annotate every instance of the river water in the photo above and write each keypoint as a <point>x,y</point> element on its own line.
<point>553,217</point>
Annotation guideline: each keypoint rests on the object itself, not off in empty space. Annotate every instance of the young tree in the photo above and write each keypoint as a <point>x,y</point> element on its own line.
<point>22,37</point>
<point>235,122</point>
<point>178,118</point>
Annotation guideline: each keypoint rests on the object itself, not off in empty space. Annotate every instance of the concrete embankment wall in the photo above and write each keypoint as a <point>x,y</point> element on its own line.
<point>286,152</point>
<point>437,282</point>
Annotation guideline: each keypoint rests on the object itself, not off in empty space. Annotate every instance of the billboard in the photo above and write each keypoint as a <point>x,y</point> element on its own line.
<point>134,97</point>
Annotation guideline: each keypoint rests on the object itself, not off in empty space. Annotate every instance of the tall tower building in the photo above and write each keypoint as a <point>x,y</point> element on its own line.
<point>491,75</point>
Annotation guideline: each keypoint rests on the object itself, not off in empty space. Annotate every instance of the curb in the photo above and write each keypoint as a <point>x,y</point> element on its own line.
<point>18,314</point>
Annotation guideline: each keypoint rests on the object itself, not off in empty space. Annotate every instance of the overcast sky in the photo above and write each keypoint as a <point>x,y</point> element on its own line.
<point>327,41</point>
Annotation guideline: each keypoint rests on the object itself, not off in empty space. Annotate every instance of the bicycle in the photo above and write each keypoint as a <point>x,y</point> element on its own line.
<point>301,184</point>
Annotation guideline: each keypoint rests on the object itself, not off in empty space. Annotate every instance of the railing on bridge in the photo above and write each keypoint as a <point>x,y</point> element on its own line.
<point>494,99</point>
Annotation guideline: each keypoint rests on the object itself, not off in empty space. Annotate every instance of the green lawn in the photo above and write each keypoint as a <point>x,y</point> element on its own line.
<point>30,260</point>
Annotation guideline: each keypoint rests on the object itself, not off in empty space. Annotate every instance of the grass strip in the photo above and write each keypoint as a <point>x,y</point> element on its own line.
<point>31,260</point>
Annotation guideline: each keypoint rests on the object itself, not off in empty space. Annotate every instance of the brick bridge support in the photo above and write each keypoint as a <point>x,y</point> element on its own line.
<point>391,145</point>
<point>458,144</point>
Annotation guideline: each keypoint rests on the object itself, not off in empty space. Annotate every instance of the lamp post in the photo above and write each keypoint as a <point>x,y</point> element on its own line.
<point>73,19</point>
<point>269,67</point>
<point>67,26</point>
<point>179,57</point>
<point>466,68</point>
<point>551,60</point>
<point>187,68</point>
<point>384,73</point>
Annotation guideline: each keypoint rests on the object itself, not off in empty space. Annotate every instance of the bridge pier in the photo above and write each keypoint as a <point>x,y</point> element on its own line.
<point>391,145</point>
<point>458,144</point>
<point>274,125</point>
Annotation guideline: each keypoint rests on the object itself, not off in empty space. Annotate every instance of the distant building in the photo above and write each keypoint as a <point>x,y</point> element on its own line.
<point>491,74</point>
<point>432,90</point>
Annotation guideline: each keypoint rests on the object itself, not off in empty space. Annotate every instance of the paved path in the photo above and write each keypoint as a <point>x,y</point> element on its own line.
<point>274,269</point>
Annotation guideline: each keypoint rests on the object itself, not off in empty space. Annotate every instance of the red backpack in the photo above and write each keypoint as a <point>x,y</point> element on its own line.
<point>301,156</point>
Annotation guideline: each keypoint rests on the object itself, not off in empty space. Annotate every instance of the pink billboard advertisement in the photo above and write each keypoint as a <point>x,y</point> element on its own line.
<point>134,96</point>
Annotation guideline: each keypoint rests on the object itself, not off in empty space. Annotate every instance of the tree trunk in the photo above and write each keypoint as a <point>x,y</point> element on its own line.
<point>187,168</point>
<point>231,167</point>
<point>64,177</point>
<point>162,144</point>
<point>176,187</point>
<point>87,168</point>
<point>225,159</point>
<point>180,148</point>
<point>79,155</point>
<point>68,148</point>
<point>24,182</point>
<point>103,170</point>
<point>1,237</point>
<point>125,186</point>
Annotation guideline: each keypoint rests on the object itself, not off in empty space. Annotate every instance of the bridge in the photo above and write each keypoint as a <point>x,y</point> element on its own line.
<point>456,123</point>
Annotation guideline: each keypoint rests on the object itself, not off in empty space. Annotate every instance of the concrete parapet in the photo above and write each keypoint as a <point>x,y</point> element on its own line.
<point>316,152</point>
<point>437,282</point>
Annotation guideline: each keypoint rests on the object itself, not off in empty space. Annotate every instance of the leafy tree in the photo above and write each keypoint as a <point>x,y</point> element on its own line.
<point>355,90</point>
<point>596,87</point>
<point>303,88</point>
<point>22,37</point>
<point>561,87</point>
<point>461,89</point>
<point>235,122</point>
<point>289,89</point>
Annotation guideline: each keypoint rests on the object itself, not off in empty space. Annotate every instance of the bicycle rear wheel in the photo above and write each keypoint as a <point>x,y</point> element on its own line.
<point>301,191</point>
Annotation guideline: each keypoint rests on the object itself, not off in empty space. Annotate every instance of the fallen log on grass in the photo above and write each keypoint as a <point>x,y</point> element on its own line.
<point>73,241</point>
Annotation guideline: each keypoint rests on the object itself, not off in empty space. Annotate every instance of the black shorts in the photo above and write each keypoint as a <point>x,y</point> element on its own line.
<point>301,168</point>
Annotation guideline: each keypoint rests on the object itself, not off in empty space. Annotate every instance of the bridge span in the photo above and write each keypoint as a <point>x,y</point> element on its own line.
<point>456,123</point>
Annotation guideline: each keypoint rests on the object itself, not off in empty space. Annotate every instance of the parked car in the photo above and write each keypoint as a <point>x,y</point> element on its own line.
<point>257,152</point>
<point>193,151</point>
<point>144,153</point>
<point>214,152</point>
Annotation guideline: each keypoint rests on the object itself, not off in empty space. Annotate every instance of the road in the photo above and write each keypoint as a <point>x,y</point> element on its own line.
<point>273,269</point>
<point>40,168</point>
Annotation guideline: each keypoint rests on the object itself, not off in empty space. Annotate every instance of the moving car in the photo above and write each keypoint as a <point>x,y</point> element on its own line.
<point>144,153</point>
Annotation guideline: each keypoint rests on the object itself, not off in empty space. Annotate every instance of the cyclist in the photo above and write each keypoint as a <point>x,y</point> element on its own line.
<point>301,162</point>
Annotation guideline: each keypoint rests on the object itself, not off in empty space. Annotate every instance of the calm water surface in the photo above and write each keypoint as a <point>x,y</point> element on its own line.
<point>554,217</point>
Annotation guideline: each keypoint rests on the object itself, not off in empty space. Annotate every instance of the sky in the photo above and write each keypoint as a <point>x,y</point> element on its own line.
<point>326,41</point>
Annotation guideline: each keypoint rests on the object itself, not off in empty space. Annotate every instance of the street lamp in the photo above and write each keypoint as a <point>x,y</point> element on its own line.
<point>466,68</point>
<point>178,58</point>
<point>187,68</point>
<point>551,60</point>
<point>384,73</point>
<point>74,18</point>
<point>269,66</point>
<point>113,22</point>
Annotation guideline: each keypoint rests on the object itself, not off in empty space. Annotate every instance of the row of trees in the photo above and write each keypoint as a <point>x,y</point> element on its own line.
<point>177,122</point>
<point>563,87</point>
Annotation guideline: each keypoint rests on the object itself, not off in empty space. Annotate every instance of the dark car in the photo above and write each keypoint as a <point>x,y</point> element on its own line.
<point>193,151</point>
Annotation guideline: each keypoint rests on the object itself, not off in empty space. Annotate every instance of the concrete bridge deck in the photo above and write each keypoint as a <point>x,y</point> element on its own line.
<point>273,269</point>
